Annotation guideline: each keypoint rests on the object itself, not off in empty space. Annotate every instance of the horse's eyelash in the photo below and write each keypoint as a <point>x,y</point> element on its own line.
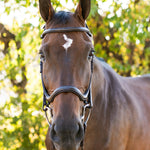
<point>92,50</point>
<point>41,52</point>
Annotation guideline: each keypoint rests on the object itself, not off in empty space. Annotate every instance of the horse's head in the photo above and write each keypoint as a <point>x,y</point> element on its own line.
<point>66,54</point>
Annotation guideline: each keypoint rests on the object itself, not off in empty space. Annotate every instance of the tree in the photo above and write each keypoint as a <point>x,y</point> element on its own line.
<point>22,124</point>
<point>121,36</point>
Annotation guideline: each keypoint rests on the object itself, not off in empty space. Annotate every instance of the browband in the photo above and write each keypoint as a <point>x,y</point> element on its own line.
<point>66,29</point>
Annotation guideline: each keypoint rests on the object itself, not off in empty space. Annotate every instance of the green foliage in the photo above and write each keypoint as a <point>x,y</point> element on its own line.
<point>121,36</point>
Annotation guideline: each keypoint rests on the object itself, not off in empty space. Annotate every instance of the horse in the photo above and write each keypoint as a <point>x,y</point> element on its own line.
<point>91,106</point>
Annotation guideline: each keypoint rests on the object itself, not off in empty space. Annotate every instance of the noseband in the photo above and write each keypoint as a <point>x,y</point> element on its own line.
<point>86,98</point>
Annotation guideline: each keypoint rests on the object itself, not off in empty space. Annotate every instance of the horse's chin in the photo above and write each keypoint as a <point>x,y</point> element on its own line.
<point>67,146</point>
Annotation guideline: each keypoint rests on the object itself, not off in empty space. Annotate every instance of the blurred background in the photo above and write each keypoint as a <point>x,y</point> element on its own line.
<point>121,31</point>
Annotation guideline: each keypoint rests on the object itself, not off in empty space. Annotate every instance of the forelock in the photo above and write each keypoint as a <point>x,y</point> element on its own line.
<point>61,17</point>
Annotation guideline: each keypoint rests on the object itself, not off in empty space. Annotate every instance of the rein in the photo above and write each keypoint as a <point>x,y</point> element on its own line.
<point>86,98</point>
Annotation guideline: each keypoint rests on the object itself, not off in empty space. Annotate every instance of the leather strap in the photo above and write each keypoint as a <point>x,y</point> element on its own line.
<point>66,29</point>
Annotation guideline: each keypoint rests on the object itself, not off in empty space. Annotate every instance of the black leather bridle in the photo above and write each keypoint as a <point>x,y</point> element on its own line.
<point>86,98</point>
<point>66,29</point>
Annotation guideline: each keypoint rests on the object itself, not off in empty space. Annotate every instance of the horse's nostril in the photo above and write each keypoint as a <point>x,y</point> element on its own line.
<point>53,133</point>
<point>64,133</point>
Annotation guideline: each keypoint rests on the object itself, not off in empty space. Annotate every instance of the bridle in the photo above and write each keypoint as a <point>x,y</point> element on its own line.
<point>66,29</point>
<point>86,98</point>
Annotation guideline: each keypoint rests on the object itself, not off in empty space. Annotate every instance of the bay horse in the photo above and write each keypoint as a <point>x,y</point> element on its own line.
<point>80,90</point>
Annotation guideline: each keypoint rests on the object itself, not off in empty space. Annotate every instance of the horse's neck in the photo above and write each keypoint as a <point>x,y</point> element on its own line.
<point>107,85</point>
<point>109,95</point>
<point>107,106</point>
<point>118,109</point>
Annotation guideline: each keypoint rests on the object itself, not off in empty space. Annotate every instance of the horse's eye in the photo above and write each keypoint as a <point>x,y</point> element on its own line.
<point>91,54</point>
<point>42,57</point>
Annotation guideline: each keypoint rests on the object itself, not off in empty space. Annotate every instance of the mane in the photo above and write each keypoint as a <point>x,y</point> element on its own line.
<point>105,64</point>
<point>61,17</point>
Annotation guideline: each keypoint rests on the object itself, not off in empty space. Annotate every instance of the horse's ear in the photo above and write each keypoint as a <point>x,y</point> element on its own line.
<point>46,9</point>
<point>83,9</point>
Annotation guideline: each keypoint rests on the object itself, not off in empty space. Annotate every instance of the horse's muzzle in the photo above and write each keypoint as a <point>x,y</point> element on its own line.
<point>67,135</point>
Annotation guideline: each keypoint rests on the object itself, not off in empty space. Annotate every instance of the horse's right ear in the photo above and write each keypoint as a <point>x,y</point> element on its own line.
<point>83,9</point>
<point>46,9</point>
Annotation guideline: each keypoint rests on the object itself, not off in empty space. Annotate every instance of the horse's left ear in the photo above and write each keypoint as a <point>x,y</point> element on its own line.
<point>83,9</point>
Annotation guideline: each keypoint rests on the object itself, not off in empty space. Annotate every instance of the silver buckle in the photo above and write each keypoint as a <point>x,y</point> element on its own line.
<point>49,119</point>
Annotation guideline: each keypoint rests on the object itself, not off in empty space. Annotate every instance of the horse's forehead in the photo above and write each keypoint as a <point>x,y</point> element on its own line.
<point>65,40</point>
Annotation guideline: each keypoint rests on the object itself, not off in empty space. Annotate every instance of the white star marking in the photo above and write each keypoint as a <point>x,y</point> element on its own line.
<point>68,42</point>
